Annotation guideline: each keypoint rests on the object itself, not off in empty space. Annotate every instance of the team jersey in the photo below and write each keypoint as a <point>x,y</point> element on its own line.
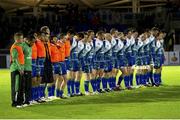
<point>114,45</point>
<point>27,57</point>
<point>159,48</point>
<point>98,51</point>
<point>120,48</point>
<point>40,49</point>
<point>54,53</point>
<point>128,46</point>
<point>76,49</point>
<point>147,47</point>
<point>107,50</point>
<point>88,53</point>
<point>134,48</point>
<point>152,40</point>
<point>61,48</point>
<point>140,48</point>
<point>67,48</point>
<point>34,52</point>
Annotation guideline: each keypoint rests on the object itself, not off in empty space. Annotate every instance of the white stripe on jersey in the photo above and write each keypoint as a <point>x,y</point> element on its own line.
<point>132,40</point>
<point>140,43</point>
<point>113,41</point>
<point>74,43</point>
<point>158,44</point>
<point>98,44</point>
<point>80,46</point>
<point>87,48</point>
<point>107,45</point>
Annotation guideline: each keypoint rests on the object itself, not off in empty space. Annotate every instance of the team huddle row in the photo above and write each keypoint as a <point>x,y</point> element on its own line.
<point>48,61</point>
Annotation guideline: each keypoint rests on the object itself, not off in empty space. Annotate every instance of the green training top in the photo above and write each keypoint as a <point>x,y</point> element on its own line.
<point>27,57</point>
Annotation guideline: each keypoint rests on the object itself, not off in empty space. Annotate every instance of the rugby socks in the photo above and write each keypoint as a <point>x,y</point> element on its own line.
<point>148,77</point>
<point>151,77</point>
<point>143,79</point>
<point>110,82</point>
<point>72,87</point>
<point>33,92</point>
<point>131,79</point>
<point>155,78</point>
<point>53,90</point>
<point>120,80</point>
<point>42,90</point>
<point>160,79</point>
<point>113,82</point>
<point>77,86</point>
<point>137,79</point>
<point>57,93</point>
<point>60,93</point>
<point>86,86</point>
<point>98,84</point>
<point>69,87</point>
<point>93,84</point>
<point>104,82</point>
<point>49,88</point>
<point>126,81</point>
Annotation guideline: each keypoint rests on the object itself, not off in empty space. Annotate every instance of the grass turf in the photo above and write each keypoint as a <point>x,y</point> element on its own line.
<point>162,102</point>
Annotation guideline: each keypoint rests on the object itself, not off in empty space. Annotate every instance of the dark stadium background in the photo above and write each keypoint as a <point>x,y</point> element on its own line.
<point>81,15</point>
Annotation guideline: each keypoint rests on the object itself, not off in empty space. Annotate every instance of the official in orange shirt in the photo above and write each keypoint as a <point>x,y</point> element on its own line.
<point>69,38</point>
<point>55,55</point>
<point>63,75</point>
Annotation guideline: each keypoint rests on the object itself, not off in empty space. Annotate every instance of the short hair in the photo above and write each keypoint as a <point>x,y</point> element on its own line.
<point>30,36</point>
<point>113,30</point>
<point>100,33</point>
<point>154,29</point>
<point>71,31</point>
<point>18,35</point>
<point>80,34</point>
<point>127,31</point>
<point>43,29</point>
<point>61,36</point>
<point>89,32</point>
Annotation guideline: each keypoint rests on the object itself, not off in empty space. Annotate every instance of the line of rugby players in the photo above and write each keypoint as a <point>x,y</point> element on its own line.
<point>100,57</point>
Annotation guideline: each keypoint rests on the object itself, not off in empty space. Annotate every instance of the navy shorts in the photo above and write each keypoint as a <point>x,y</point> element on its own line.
<point>76,65</point>
<point>115,63</point>
<point>87,68</point>
<point>40,62</point>
<point>108,66</point>
<point>98,65</point>
<point>122,61</point>
<point>63,69</point>
<point>56,68</point>
<point>34,68</point>
<point>67,63</point>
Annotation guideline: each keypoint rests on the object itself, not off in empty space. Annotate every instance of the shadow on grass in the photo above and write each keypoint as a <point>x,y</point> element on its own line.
<point>165,93</point>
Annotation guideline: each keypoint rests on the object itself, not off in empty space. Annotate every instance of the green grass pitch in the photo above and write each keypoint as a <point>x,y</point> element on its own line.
<point>162,102</point>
